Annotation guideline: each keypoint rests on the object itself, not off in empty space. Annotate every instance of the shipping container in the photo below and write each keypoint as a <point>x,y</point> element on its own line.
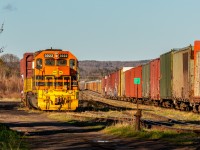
<point>183,74</point>
<point>113,84</point>
<point>82,85</point>
<point>128,83</point>
<point>146,80</point>
<point>166,75</point>
<point>133,90</point>
<point>137,88</point>
<point>103,85</point>
<point>94,86</point>
<point>113,88</point>
<point>107,86</point>
<point>122,80</point>
<point>197,71</point>
<point>99,86</point>
<point>155,79</point>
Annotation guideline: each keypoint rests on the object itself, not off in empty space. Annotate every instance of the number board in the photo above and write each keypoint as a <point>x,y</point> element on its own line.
<point>48,55</point>
<point>63,55</point>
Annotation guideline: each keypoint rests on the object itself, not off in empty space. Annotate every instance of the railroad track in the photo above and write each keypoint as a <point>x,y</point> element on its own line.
<point>93,96</point>
<point>129,100</point>
<point>91,105</point>
<point>148,124</point>
<point>159,122</point>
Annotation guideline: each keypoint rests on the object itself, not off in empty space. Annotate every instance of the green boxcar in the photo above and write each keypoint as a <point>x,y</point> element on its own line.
<point>146,81</point>
<point>166,75</point>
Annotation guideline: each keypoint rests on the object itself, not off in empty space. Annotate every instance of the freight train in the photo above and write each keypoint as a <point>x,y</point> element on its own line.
<point>50,80</point>
<point>171,81</point>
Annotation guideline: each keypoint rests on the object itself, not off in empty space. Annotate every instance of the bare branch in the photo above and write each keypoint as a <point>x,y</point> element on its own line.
<point>1,30</point>
<point>1,49</point>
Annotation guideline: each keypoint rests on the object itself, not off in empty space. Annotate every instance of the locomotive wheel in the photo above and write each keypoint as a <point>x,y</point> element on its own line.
<point>32,102</point>
<point>187,108</point>
<point>26,102</point>
<point>195,109</point>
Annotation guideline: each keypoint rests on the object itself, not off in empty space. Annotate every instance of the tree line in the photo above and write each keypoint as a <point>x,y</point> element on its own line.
<point>94,70</point>
<point>10,80</point>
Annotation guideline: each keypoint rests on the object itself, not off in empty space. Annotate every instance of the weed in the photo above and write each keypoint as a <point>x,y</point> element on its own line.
<point>126,130</point>
<point>10,139</point>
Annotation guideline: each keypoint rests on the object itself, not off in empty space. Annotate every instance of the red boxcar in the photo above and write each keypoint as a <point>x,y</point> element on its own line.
<point>131,88</point>
<point>103,85</point>
<point>113,84</point>
<point>107,85</point>
<point>196,72</point>
<point>26,65</point>
<point>155,79</point>
<point>127,83</point>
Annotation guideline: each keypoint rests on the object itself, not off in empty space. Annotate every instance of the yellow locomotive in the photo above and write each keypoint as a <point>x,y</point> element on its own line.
<point>50,80</point>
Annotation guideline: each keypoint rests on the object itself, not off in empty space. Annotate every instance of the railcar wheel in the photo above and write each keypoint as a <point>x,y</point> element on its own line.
<point>199,109</point>
<point>195,109</point>
<point>187,108</point>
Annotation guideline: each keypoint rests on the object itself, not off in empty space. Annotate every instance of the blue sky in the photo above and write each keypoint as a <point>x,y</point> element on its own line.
<point>120,30</point>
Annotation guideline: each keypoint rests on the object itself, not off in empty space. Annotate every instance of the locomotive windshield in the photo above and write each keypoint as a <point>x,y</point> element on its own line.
<point>50,62</point>
<point>61,62</point>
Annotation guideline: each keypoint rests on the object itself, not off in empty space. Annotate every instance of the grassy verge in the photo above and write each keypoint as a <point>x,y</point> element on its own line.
<point>10,140</point>
<point>126,130</point>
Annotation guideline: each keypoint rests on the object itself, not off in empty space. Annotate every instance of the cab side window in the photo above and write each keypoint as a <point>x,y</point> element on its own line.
<point>39,63</point>
<point>71,63</point>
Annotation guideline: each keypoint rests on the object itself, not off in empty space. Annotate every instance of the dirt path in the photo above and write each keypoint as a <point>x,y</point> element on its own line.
<point>45,133</point>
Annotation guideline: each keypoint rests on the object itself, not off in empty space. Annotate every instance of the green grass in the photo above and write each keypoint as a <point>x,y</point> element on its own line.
<point>126,130</point>
<point>10,140</point>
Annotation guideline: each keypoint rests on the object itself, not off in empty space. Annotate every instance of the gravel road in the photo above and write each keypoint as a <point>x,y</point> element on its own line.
<point>49,134</point>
